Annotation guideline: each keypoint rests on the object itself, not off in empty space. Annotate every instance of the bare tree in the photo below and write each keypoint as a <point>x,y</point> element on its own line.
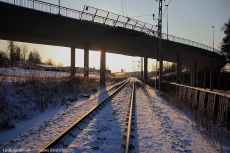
<point>169,67</point>
<point>12,51</point>
<point>18,53</point>
<point>153,67</point>
<point>49,61</point>
<point>37,57</point>
<point>24,51</point>
<point>34,57</point>
<point>60,64</point>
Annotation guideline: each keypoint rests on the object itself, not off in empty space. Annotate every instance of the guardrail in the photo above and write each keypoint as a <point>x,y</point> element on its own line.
<point>212,105</point>
<point>104,17</point>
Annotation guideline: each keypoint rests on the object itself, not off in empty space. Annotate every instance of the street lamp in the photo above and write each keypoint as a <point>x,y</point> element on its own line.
<point>213,37</point>
<point>167,21</point>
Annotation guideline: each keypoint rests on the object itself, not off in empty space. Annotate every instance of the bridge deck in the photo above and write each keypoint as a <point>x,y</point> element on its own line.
<point>28,25</point>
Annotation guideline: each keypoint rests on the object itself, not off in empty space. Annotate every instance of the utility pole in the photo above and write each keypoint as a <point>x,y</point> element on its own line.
<point>160,56</point>
<point>213,38</point>
<point>59,7</point>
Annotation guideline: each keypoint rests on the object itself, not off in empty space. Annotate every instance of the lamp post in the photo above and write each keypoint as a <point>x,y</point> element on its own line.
<point>213,37</point>
<point>167,21</point>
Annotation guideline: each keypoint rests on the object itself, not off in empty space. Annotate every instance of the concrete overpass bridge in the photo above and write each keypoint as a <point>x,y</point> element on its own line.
<point>39,22</point>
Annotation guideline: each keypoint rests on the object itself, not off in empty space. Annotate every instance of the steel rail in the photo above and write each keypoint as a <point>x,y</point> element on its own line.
<point>74,125</point>
<point>127,142</point>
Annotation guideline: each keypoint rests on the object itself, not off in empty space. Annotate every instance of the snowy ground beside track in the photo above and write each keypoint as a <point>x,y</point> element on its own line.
<point>39,73</point>
<point>162,128</point>
<point>35,133</point>
<point>159,127</point>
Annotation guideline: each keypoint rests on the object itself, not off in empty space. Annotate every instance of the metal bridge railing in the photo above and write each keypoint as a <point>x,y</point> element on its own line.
<point>107,18</point>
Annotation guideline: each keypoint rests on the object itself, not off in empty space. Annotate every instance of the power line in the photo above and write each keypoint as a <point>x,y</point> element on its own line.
<point>152,14</point>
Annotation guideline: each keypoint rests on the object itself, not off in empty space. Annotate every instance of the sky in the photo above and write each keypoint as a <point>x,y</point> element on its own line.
<point>190,19</point>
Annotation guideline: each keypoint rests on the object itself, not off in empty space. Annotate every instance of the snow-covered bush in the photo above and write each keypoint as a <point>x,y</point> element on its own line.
<point>25,93</point>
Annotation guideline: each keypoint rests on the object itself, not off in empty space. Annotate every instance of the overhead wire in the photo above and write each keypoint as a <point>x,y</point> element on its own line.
<point>142,16</point>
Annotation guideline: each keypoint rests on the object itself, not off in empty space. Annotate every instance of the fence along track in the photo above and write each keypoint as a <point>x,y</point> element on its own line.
<point>56,140</point>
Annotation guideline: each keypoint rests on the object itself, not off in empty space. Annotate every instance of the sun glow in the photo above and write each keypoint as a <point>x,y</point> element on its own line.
<point>61,56</point>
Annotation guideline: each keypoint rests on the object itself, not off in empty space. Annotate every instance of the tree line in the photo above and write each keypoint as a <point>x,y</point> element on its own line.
<point>225,45</point>
<point>14,53</point>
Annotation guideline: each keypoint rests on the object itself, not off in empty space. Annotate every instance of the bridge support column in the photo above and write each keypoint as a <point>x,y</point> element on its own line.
<point>218,79</point>
<point>103,63</point>
<point>211,76</point>
<point>145,69</point>
<point>72,70</point>
<point>191,77</point>
<point>204,81</point>
<point>194,74</point>
<point>201,75</point>
<point>86,60</point>
<point>160,71</point>
<point>178,74</point>
<point>183,79</point>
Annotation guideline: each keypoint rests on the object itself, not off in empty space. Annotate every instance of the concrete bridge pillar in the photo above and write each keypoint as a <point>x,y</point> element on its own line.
<point>103,63</point>
<point>145,69</point>
<point>211,76</point>
<point>183,79</point>
<point>72,63</point>
<point>160,71</point>
<point>204,81</point>
<point>178,75</point>
<point>194,74</point>
<point>218,79</point>
<point>201,75</point>
<point>191,77</point>
<point>86,60</point>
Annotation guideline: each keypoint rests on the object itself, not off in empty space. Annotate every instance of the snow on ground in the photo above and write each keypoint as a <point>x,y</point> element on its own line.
<point>39,73</point>
<point>35,133</point>
<point>162,128</point>
<point>183,121</point>
<point>159,127</point>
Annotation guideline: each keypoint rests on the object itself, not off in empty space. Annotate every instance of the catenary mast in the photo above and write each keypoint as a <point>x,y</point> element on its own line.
<point>160,54</point>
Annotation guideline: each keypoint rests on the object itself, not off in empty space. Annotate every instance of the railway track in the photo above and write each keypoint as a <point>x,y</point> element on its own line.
<point>132,119</point>
<point>94,124</point>
<point>43,133</point>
